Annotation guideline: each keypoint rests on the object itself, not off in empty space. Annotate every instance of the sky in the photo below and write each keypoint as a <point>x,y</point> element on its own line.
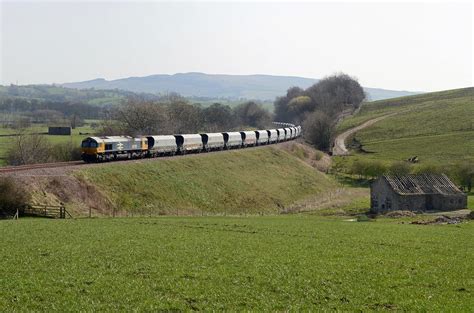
<point>404,46</point>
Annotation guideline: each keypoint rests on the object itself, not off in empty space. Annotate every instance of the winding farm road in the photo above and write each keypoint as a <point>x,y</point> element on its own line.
<point>339,143</point>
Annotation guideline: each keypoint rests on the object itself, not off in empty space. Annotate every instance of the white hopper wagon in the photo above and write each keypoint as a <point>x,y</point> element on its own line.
<point>232,140</point>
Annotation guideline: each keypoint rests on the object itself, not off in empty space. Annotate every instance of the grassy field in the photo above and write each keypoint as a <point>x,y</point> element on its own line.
<point>255,180</point>
<point>436,127</point>
<point>258,263</point>
<point>75,138</point>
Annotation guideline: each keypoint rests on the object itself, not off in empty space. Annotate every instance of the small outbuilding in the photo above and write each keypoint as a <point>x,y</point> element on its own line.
<point>59,130</point>
<point>424,192</point>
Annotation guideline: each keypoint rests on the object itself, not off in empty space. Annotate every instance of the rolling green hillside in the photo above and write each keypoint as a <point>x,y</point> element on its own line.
<point>436,127</point>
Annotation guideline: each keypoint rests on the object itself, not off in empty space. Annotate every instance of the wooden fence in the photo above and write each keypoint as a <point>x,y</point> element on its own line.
<point>50,211</point>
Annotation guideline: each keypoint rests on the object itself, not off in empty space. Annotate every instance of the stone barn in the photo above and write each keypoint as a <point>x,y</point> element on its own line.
<point>425,192</point>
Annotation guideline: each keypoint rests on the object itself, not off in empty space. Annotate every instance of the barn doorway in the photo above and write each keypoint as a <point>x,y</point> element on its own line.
<point>429,203</point>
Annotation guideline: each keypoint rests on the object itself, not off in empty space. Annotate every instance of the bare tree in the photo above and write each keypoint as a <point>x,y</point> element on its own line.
<point>184,118</point>
<point>252,114</point>
<point>318,129</point>
<point>141,118</point>
<point>218,117</point>
<point>331,95</point>
<point>29,149</point>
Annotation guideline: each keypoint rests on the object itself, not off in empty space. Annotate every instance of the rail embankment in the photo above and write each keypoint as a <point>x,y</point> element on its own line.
<point>250,181</point>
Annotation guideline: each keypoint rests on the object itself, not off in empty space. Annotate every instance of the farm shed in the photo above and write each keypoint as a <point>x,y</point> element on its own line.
<point>59,130</point>
<point>423,192</point>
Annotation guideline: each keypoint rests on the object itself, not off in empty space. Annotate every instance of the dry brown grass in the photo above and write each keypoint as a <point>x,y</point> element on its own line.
<point>340,201</point>
<point>315,158</point>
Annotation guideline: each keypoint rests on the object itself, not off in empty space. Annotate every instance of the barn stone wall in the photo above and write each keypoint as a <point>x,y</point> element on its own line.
<point>449,202</point>
<point>384,199</point>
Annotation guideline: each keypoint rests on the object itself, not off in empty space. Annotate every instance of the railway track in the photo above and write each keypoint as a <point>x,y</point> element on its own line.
<point>9,169</point>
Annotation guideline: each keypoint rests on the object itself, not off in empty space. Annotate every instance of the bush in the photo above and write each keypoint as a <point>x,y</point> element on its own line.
<point>464,173</point>
<point>62,152</point>
<point>367,169</point>
<point>427,169</point>
<point>318,155</point>
<point>13,196</point>
<point>400,168</point>
<point>363,218</point>
<point>375,169</point>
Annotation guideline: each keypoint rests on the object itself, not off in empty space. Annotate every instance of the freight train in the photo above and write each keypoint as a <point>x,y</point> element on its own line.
<point>109,148</point>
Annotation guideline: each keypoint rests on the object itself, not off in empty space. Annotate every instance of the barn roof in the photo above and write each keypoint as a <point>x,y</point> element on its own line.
<point>422,184</point>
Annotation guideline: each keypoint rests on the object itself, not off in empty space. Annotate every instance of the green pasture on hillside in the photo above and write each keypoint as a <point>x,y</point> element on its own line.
<point>259,263</point>
<point>436,127</point>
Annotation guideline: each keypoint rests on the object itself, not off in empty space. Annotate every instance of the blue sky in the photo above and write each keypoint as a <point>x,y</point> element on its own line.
<point>423,46</point>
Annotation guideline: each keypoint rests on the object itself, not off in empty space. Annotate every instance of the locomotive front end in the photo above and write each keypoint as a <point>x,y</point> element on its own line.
<point>90,149</point>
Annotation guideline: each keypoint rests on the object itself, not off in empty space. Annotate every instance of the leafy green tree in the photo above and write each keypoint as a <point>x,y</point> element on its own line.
<point>465,174</point>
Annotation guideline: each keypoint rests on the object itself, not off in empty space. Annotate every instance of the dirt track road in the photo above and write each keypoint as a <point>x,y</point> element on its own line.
<point>339,143</point>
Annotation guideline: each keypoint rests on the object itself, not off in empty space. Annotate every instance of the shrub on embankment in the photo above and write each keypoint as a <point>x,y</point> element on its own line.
<point>250,181</point>
<point>13,197</point>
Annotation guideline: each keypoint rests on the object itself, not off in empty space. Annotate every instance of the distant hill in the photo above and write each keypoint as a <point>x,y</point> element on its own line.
<point>257,87</point>
<point>53,93</point>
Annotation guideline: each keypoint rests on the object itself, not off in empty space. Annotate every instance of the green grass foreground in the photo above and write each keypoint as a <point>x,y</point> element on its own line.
<point>257,263</point>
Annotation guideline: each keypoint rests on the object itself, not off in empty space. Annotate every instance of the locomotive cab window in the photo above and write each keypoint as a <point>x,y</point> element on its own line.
<point>108,146</point>
<point>89,144</point>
